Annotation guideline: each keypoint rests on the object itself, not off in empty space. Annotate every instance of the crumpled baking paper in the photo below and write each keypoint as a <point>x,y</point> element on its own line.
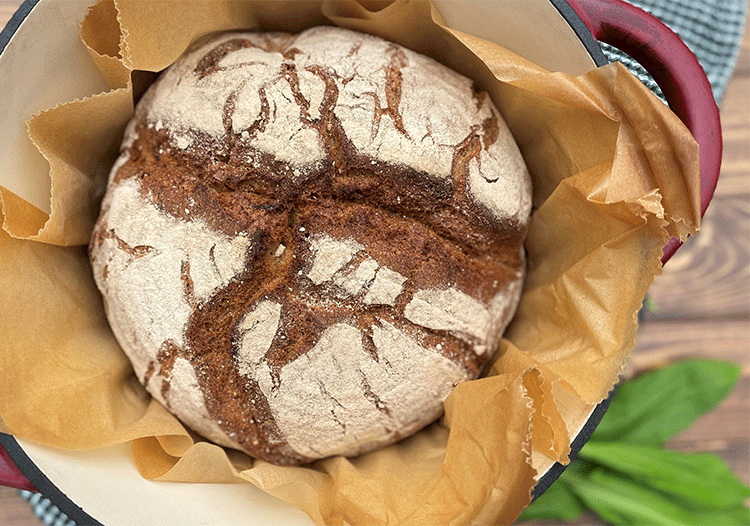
<point>615,176</point>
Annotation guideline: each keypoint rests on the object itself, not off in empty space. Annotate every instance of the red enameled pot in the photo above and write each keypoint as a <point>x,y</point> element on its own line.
<point>658,49</point>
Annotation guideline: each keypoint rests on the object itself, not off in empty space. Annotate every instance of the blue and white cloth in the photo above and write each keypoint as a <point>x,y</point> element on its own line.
<point>45,510</point>
<point>712,29</point>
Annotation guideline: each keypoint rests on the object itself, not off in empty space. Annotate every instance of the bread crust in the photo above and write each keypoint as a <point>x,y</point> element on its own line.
<point>309,240</point>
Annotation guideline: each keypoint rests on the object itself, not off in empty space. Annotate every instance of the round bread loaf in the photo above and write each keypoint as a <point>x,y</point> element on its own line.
<point>308,240</point>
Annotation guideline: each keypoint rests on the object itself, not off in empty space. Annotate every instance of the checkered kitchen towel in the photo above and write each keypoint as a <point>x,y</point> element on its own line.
<point>712,29</point>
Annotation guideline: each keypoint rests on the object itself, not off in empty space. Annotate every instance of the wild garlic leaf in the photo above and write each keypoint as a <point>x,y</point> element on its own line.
<point>737,515</point>
<point>558,502</point>
<point>620,501</point>
<point>625,477</point>
<point>699,480</point>
<point>655,406</point>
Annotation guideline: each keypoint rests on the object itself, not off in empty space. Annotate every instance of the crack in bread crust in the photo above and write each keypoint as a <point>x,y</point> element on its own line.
<point>430,230</point>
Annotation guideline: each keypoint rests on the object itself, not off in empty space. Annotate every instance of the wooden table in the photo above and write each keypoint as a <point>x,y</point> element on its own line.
<point>702,298</point>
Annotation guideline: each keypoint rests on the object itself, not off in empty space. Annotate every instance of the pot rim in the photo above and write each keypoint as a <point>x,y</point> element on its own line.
<point>50,491</point>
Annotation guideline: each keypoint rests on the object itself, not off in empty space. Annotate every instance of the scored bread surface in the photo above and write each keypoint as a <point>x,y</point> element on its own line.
<point>309,240</point>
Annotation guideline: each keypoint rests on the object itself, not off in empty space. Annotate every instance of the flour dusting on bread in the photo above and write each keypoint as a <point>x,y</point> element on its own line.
<point>309,240</point>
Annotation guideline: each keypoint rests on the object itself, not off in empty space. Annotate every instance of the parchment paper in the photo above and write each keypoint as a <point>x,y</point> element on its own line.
<point>615,175</point>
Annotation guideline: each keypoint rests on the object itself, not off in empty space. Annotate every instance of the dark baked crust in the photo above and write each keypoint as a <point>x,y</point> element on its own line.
<point>424,228</point>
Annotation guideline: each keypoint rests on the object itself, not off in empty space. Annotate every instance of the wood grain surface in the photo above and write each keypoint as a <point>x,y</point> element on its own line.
<point>701,301</point>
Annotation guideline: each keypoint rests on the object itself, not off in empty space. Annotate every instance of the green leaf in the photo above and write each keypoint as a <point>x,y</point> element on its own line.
<point>736,516</point>
<point>558,502</point>
<point>623,502</point>
<point>657,405</point>
<point>700,480</point>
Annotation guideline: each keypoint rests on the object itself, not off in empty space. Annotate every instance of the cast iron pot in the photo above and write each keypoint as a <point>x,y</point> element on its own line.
<point>101,487</point>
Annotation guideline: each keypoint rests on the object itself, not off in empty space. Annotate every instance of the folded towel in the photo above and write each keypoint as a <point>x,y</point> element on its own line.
<point>712,29</point>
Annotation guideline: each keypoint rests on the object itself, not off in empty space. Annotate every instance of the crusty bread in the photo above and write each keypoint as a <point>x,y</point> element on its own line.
<point>309,240</point>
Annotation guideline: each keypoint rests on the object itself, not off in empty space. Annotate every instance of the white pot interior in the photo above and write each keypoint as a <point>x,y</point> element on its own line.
<point>45,53</point>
